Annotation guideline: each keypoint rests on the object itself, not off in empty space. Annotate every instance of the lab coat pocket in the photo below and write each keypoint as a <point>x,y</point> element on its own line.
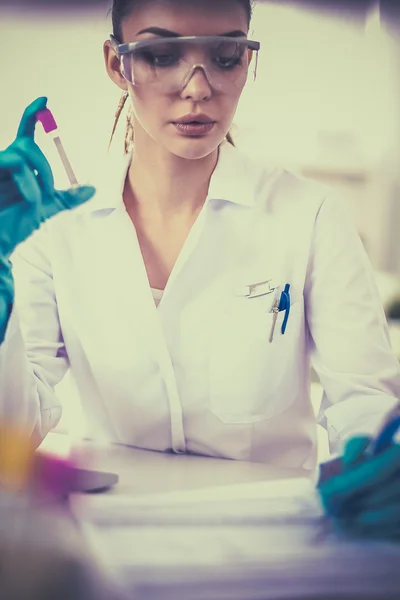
<point>251,378</point>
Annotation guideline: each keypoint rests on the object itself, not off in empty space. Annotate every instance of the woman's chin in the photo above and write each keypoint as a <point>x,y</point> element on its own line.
<point>194,148</point>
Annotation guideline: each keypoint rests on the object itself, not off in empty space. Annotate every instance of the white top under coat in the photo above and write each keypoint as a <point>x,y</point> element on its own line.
<point>157,295</point>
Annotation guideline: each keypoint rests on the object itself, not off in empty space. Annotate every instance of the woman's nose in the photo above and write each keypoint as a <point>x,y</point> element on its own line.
<point>197,87</point>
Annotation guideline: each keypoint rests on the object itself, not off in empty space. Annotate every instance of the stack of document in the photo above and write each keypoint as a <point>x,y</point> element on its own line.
<point>264,541</point>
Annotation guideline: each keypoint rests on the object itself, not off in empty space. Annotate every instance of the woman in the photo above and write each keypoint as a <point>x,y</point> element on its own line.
<point>217,369</point>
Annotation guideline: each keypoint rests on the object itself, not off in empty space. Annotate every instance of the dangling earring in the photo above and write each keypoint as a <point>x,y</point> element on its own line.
<point>129,132</point>
<point>121,105</point>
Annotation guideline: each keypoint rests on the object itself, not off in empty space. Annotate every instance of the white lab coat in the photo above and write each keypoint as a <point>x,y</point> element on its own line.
<point>198,373</point>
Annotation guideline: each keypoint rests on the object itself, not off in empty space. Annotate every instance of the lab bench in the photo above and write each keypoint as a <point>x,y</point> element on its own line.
<point>281,558</point>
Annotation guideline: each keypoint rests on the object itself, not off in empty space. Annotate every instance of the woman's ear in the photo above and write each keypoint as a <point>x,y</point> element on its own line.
<point>113,66</point>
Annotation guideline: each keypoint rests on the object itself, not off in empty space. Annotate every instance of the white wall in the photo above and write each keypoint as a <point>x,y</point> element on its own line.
<point>59,55</point>
<point>326,103</point>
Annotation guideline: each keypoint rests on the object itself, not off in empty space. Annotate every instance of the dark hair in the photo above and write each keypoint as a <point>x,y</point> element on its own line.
<point>120,10</point>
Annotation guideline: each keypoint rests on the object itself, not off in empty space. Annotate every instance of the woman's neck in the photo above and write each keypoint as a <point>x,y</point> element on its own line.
<point>160,185</point>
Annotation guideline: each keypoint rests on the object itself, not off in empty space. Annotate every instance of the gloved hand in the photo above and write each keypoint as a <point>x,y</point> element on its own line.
<point>27,199</point>
<point>365,498</point>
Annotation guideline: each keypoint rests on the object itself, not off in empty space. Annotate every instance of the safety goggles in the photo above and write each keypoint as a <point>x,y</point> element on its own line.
<point>170,63</point>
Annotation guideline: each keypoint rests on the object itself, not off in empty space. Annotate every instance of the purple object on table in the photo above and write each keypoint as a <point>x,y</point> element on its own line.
<point>55,476</point>
<point>59,477</point>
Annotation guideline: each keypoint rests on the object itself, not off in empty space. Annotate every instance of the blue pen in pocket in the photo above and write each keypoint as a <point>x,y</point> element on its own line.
<point>285,305</point>
<point>281,303</point>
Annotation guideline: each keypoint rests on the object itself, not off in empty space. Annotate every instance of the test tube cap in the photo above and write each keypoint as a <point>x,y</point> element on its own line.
<point>47,120</point>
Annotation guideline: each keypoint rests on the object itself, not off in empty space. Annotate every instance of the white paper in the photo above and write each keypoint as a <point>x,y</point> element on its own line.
<point>264,540</point>
<point>248,503</point>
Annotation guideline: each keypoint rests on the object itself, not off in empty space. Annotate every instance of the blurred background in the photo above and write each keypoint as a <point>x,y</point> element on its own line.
<point>326,104</point>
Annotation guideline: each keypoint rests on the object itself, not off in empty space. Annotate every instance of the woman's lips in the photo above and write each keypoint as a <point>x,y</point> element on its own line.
<point>194,129</point>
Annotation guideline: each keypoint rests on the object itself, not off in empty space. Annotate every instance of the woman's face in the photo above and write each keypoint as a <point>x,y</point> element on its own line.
<point>156,110</point>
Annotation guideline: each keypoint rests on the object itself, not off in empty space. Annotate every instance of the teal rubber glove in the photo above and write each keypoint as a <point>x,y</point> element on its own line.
<point>27,199</point>
<point>364,499</point>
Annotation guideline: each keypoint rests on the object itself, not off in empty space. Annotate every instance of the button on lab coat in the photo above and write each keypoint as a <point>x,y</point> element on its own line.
<point>198,373</point>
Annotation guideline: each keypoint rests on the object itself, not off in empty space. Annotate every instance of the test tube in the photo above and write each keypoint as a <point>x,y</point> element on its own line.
<point>50,126</point>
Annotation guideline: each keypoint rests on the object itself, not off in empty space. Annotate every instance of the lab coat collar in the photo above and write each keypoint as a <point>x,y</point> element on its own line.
<point>233,180</point>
